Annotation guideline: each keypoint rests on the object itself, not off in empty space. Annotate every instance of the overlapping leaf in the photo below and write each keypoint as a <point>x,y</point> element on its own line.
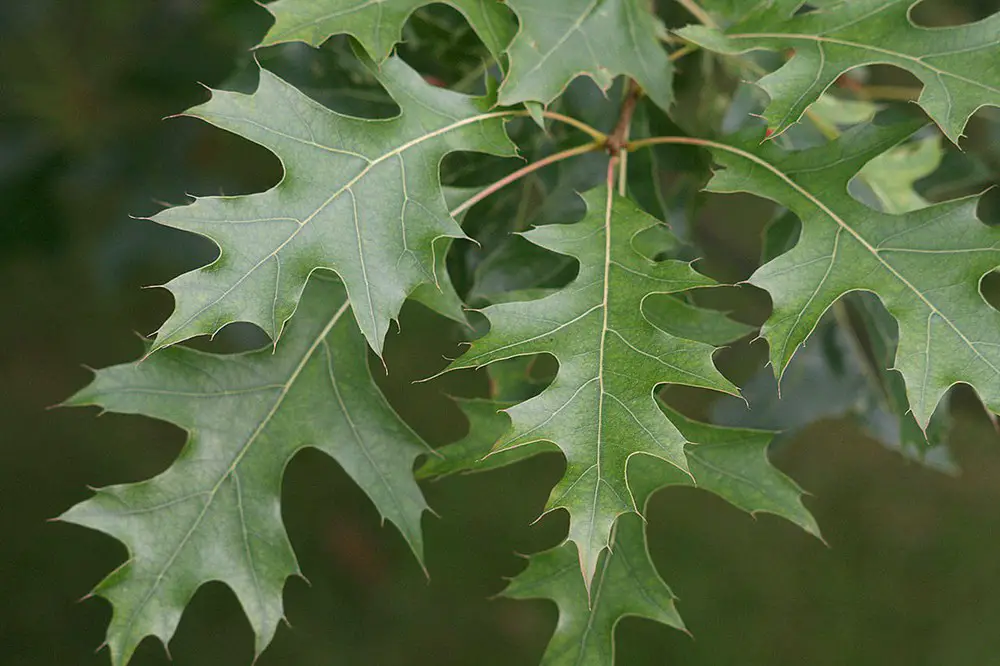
<point>559,41</point>
<point>891,176</point>
<point>214,515</point>
<point>731,463</point>
<point>957,65</point>
<point>511,382</point>
<point>360,197</point>
<point>487,425</point>
<point>834,377</point>
<point>626,584</point>
<point>894,424</point>
<point>600,410</point>
<point>378,24</point>
<point>925,265</point>
<point>845,370</point>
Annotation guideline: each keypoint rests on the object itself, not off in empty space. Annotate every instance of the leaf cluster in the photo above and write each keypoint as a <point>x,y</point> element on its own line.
<point>592,300</point>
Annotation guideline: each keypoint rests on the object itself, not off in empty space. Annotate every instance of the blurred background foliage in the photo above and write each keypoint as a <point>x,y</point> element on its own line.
<point>911,575</point>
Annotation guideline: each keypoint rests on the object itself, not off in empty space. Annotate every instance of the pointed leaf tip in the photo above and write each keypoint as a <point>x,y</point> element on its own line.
<point>826,44</point>
<point>601,408</point>
<point>270,242</point>
<point>215,512</point>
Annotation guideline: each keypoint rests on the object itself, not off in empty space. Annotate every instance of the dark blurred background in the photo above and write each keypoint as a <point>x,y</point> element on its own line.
<point>911,576</point>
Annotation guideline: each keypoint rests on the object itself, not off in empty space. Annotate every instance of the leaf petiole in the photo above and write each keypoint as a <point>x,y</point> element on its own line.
<point>524,171</point>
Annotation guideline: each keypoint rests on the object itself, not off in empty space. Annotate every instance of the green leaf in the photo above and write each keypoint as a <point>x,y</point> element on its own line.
<point>844,112</point>
<point>599,38</point>
<point>360,197</point>
<point>517,265</point>
<point>378,24</point>
<point>846,368</point>
<point>839,374</point>
<point>626,584</point>
<point>895,425</point>
<point>733,464</point>
<point>892,174</point>
<point>833,377</point>
<point>957,65</point>
<point>510,380</point>
<point>683,320</point>
<point>729,462</point>
<point>442,297</point>
<point>925,265</point>
<point>215,514</point>
<point>601,409</point>
<point>488,423</point>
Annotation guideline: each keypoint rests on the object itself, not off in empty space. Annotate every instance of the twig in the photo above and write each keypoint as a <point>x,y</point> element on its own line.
<point>619,136</point>
<point>594,133</point>
<point>623,171</point>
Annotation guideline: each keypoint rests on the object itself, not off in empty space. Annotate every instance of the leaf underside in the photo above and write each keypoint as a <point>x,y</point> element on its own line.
<point>214,515</point>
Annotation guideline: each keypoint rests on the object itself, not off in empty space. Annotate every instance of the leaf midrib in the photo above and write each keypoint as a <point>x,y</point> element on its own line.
<point>867,47</point>
<point>857,236</point>
<point>600,356</point>
<point>302,223</point>
<point>236,461</point>
<point>326,17</point>
<point>575,27</point>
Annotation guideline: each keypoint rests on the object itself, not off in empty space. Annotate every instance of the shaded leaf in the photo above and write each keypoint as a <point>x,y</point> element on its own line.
<point>683,320</point>
<point>895,424</point>
<point>488,423</point>
<point>599,38</point>
<point>892,174</point>
<point>846,371</point>
<point>831,377</point>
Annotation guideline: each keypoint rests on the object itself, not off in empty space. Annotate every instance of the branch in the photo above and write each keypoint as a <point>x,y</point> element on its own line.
<point>619,136</point>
